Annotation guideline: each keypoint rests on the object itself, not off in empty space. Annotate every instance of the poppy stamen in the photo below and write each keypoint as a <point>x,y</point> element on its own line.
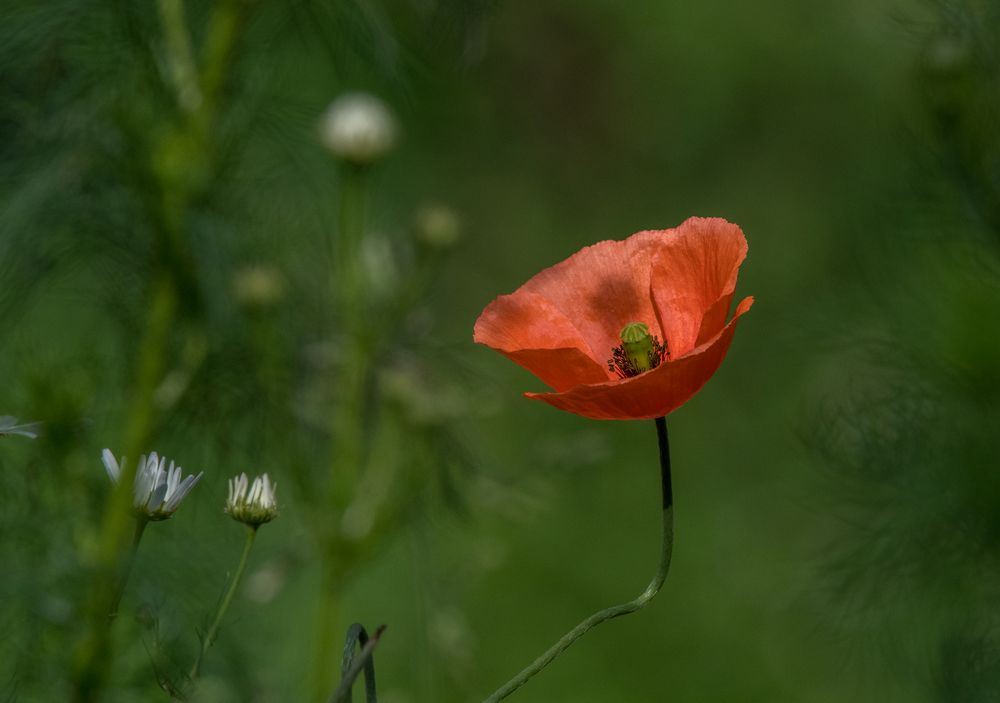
<point>639,351</point>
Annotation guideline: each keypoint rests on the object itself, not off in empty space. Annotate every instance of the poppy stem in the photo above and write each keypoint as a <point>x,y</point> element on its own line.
<point>666,551</point>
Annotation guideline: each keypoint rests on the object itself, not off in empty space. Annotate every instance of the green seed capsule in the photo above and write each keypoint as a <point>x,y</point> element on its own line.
<point>638,345</point>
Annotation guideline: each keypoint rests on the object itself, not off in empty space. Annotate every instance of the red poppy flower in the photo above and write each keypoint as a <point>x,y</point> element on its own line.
<point>571,324</point>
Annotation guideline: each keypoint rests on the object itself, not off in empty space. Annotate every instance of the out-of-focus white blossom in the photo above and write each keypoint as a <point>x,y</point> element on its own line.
<point>266,582</point>
<point>437,226</point>
<point>158,490</point>
<point>258,285</point>
<point>8,426</point>
<point>378,261</point>
<point>252,504</point>
<point>358,127</point>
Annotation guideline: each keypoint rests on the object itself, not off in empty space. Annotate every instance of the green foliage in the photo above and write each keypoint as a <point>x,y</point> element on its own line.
<point>912,567</point>
<point>859,153</point>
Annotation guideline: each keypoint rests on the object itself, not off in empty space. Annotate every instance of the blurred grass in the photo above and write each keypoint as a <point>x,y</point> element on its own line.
<point>547,127</point>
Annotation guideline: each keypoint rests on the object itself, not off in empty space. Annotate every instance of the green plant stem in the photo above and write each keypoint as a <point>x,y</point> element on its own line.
<point>163,305</point>
<point>183,69</point>
<point>347,286</point>
<point>140,527</point>
<point>355,364</point>
<point>326,620</point>
<point>213,630</point>
<point>355,367</point>
<point>353,666</point>
<point>601,616</point>
<point>348,279</point>
<point>94,656</point>
<point>220,41</point>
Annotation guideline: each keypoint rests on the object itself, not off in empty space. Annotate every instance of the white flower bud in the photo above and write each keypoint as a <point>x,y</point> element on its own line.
<point>359,128</point>
<point>252,504</point>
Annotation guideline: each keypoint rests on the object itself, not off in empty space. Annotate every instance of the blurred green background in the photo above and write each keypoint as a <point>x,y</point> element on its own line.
<point>835,482</point>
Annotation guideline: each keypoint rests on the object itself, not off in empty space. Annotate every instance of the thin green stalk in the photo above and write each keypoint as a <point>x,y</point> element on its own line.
<point>218,52</point>
<point>213,630</point>
<point>348,282</point>
<point>183,69</point>
<point>354,368</point>
<point>326,620</point>
<point>354,371</point>
<point>94,655</point>
<point>352,666</point>
<point>666,550</point>
<point>140,526</point>
<point>163,305</point>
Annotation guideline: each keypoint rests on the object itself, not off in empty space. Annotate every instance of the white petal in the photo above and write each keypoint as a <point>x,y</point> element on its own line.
<point>156,498</point>
<point>156,477</point>
<point>111,465</point>
<point>268,494</point>
<point>143,483</point>
<point>254,497</point>
<point>241,487</point>
<point>173,478</point>
<point>182,490</point>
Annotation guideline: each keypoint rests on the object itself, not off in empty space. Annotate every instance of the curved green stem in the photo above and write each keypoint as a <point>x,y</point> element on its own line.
<point>615,611</point>
<point>140,526</point>
<point>224,605</point>
<point>352,666</point>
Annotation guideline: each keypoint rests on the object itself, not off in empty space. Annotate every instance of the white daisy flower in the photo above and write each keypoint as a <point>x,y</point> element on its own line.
<point>252,504</point>
<point>157,490</point>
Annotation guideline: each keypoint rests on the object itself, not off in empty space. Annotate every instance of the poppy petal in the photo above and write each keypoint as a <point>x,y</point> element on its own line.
<point>692,280</point>
<point>602,288</point>
<point>532,333</point>
<point>654,393</point>
<point>714,319</point>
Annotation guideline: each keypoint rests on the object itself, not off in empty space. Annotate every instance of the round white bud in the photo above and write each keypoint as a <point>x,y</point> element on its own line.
<point>359,128</point>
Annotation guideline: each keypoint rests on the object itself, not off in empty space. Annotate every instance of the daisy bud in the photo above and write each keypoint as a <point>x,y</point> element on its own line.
<point>158,490</point>
<point>252,504</point>
<point>437,226</point>
<point>358,128</point>
<point>258,286</point>
<point>638,345</point>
